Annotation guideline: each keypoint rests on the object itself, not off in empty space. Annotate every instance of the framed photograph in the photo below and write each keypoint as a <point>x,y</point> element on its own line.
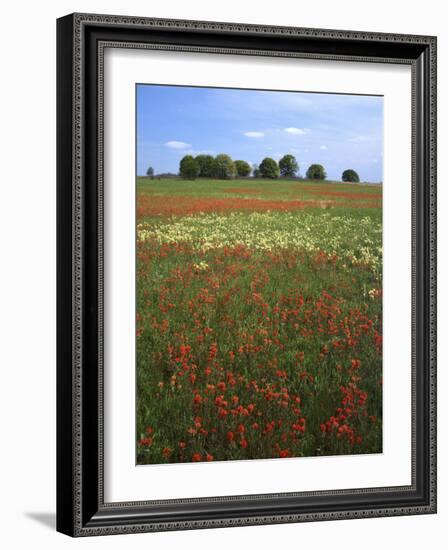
<point>246,274</point>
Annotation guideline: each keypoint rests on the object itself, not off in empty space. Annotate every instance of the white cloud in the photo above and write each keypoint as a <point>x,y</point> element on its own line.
<point>323,147</point>
<point>254,134</point>
<point>177,144</point>
<point>295,131</point>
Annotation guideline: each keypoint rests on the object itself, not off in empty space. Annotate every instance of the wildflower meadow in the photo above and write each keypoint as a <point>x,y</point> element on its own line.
<point>259,319</point>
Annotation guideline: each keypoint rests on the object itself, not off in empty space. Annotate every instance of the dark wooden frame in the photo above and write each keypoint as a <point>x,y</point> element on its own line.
<point>81,38</point>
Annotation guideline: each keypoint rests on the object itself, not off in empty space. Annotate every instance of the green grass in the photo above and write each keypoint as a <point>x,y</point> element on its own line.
<point>258,188</point>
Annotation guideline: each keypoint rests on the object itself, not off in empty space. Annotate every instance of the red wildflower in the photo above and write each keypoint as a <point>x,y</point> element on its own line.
<point>197,400</point>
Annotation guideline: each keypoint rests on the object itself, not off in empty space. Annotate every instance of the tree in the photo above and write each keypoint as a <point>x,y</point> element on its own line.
<point>223,167</point>
<point>243,168</point>
<point>255,171</point>
<point>288,166</point>
<point>350,175</point>
<point>316,172</point>
<point>189,168</point>
<point>205,163</point>
<point>269,168</point>
<point>150,172</point>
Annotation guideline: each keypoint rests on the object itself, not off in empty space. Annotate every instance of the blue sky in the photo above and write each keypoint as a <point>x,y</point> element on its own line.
<point>338,131</point>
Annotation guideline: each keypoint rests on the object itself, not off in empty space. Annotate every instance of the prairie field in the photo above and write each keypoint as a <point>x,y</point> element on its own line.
<point>259,319</point>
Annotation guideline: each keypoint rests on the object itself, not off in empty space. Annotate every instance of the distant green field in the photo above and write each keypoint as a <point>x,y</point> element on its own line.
<point>256,188</point>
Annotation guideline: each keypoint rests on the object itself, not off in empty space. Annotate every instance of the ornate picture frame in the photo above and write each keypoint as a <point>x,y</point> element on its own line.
<point>81,506</point>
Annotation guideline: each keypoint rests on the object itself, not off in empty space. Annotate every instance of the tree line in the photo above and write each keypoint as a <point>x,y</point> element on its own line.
<point>223,167</point>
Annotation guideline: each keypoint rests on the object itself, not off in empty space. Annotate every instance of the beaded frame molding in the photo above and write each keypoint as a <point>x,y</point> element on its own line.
<point>81,40</point>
